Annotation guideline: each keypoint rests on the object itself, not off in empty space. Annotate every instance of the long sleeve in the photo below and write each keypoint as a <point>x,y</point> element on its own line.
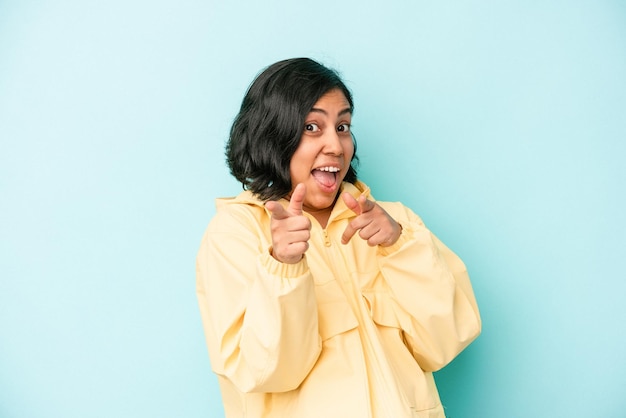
<point>259,315</point>
<point>437,309</point>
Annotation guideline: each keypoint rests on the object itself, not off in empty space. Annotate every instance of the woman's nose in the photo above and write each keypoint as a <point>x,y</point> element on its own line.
<point>332,144</point>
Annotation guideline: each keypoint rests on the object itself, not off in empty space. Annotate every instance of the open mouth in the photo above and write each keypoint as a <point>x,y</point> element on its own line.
<point>326,176</point>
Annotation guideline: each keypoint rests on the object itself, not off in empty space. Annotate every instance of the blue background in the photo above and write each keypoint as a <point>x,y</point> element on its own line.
<point>502,123</point>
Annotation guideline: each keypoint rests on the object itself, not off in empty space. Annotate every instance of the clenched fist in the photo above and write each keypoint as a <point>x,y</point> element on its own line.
<point>374,224</point>
<point>290,229</point>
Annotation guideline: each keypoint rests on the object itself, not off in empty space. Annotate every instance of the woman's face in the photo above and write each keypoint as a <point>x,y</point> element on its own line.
<point>323,156</point>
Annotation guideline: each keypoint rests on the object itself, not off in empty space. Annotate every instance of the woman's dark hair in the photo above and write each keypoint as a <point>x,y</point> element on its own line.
<point>270,123</point>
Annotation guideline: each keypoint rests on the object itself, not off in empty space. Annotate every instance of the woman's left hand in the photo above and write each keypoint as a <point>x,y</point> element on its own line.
<point>374,224</point>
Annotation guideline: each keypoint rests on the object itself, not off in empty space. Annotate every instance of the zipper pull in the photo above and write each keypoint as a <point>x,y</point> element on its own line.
<point>326,239</point>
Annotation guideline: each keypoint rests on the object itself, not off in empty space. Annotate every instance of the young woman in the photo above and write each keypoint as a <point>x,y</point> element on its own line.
<point>316,299</point>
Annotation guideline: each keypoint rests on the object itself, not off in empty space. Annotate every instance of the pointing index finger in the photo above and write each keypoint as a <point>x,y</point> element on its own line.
<point>356,206</point>
<point>351,203</point>
<point>276,209</point>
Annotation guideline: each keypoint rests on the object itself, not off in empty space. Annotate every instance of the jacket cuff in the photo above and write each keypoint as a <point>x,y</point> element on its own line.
<point>405,236</point>
<point>284,270</point>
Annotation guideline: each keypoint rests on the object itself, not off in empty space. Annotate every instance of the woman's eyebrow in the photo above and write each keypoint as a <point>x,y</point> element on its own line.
<point>341,113</point>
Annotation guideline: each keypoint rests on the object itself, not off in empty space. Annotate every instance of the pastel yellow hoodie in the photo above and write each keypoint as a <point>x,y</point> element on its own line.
<point>350,331</point>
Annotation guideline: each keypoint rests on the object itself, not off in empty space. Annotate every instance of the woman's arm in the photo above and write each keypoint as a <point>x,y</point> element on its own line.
<point>430,284</point>
<point>259,315</point>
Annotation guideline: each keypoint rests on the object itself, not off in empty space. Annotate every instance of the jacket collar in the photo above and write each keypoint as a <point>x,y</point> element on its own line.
<point>340,211</point>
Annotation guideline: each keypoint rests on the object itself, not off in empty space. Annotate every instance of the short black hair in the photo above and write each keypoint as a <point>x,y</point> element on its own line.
<point>270,123</point>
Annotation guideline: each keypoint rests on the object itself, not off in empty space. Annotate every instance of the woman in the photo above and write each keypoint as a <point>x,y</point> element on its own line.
<point>317,300</point>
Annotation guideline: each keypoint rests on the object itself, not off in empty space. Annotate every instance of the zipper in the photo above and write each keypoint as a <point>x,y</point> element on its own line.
<point>326,238</point>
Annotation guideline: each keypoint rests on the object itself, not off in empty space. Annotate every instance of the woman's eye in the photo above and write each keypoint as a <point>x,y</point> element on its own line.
<point>344,127</point>
<point>311,127</point>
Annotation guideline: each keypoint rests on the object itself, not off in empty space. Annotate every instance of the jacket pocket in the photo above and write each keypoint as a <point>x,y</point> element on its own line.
<point>382,308</point>
<point>335,318</point>
<point>334,311</point>
<point>418,387</point>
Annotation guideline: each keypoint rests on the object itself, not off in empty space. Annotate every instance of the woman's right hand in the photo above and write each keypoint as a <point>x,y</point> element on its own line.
<point>291,230</point>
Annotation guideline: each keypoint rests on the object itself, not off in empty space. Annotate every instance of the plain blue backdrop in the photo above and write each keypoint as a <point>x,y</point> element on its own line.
<point>502,123</point>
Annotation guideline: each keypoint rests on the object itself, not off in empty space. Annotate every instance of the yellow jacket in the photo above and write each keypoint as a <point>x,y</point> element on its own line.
<point>350,331</point>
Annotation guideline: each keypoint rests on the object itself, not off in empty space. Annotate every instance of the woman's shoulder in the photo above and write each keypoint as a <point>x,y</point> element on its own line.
<point>396,209</point>
<point>400,212</point>
<point>244,210</point>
